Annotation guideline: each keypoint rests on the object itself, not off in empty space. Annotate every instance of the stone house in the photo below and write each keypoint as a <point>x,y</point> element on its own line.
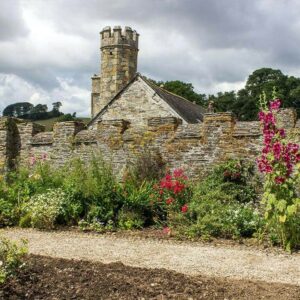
<point>122,93</point>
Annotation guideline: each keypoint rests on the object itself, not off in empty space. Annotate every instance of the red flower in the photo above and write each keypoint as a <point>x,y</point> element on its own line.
<point>178,187</point>
<point>167,230</point>
<point>184,208</point>
<point>169,200</point>
<point>177,173</point>
<point>168,177</point>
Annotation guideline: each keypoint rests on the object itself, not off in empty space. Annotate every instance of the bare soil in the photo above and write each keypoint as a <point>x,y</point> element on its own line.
<point>192,259</point>
<point>57,278</point>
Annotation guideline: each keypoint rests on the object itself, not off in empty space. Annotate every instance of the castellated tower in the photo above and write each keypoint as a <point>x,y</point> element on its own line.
<point>119,51</point>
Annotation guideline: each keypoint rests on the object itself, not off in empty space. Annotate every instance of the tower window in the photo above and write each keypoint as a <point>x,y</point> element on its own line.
<point>110,53</point>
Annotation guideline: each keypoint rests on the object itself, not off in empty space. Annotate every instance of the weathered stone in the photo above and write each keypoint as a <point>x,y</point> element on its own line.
<point>118,65</point>
<point>195,147</point>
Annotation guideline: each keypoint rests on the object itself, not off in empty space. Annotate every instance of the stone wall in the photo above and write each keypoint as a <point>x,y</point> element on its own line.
<point>138,103</point>
<point>194,147</point>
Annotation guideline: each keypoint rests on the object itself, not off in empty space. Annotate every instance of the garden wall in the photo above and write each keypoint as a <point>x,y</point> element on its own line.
<point>194,147</point>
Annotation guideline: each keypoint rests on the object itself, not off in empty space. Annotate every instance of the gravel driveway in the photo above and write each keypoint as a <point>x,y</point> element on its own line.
<point>187,258</point>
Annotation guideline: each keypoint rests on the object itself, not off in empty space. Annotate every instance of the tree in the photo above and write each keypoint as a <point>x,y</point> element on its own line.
<point>224,101</point>
<point>181,88</point>
<point>266,80</point>
<point>185,90</point>
<point>56,106</point>
<point>17,109</point>
<point>39,108</point>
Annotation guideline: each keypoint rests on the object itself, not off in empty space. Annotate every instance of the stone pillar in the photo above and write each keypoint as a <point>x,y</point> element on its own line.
<point>63,140</point>
<point>217,137</point>
<point>26,130</point>
<point>217,124</point>
<point>5,145</point>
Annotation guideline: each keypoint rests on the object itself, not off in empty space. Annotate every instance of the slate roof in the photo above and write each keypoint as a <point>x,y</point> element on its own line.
<point>187,110</point>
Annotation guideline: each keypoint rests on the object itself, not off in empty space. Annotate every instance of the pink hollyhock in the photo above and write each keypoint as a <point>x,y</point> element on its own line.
<point>281,132</point>
<point>279,180</point>
<point>261,116</point>
<point>275,105</point>
<point>277,150</point>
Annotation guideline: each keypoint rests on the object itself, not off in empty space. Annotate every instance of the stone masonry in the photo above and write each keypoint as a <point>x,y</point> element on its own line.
<point>194,147</point>
<point>118,64</point>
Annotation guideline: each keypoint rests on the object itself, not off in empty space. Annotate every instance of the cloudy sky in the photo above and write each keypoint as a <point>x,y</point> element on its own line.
<point>49,49</point>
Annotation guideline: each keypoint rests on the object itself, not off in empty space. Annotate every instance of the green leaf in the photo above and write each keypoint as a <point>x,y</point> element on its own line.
<point>291,210</point>
<point>281,205</point>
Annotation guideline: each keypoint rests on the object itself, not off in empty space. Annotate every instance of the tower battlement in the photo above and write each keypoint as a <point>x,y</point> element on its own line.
<point>117,37</point>
<point>119,50</point>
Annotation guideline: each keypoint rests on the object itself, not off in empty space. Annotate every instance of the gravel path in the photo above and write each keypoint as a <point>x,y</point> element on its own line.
<point>187,258</point>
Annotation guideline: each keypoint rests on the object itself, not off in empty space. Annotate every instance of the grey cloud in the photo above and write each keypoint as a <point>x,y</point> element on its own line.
<point>204,42</point>
<point>11,21</point>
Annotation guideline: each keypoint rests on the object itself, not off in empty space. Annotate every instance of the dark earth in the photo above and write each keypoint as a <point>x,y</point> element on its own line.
<point>52,278</point>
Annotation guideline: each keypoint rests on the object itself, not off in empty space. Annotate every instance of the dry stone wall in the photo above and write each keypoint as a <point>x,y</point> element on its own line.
<point>194,147</point>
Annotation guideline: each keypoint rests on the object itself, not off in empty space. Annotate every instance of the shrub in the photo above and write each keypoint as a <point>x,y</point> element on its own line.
<point>223,204</point>
<point>11,257</point>
<point>21,185</point>
<point>136,206</point>
<point>171,195</point>
<point>94,189</point>
<point>235,178</point>
<point>149,166</point>
<point>279,162</point>
<point>44,210</point>
<point>6,212</point>
<point>130,219</point>
<point>219,215</point>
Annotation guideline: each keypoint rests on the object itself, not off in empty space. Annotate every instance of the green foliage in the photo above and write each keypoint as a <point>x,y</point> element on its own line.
<point>94,188</point>
<point>280,162</point>
<point>44,210</point>
<point>67,117</point>
<point>235,178</point>
<point>130,219</point>
<point>21,185</point>
<point>136,198</point>
<point>11,257</point>
<point>219,215</point>
<point>223,204</point>
<point>93,225</point>
<point>17,109</point>
<point>88,194</point>
<point>265,80</point>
